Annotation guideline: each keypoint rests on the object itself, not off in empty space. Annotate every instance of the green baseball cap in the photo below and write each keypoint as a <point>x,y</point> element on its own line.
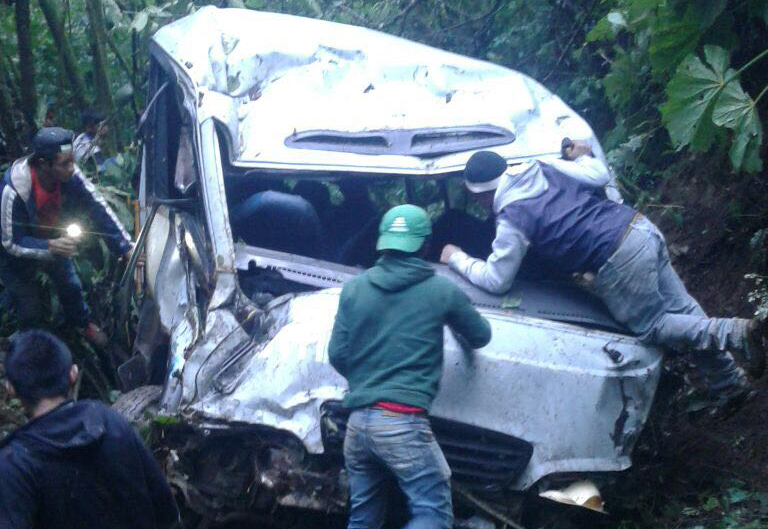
<point>404,228</point>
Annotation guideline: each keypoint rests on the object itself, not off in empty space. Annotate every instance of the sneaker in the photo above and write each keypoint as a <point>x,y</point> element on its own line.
<point>755,352</point>
<point>95,335</point>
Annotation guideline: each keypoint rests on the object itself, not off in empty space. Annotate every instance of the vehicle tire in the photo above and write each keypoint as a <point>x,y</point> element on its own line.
<point>139,405</point>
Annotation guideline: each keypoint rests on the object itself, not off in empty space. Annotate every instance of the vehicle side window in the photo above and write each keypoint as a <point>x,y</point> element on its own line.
<point>162,134</point>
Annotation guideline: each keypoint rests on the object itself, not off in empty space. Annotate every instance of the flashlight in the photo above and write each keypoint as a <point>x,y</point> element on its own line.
<point>74,231</point>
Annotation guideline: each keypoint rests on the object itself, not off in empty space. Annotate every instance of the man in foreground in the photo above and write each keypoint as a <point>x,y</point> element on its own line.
<point>74,464</point>
<point>387,342</point>
<point>574,229</point>
<point>34,194</point>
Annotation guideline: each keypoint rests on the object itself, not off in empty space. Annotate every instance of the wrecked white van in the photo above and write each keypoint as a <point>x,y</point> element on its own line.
<point>241,291</point>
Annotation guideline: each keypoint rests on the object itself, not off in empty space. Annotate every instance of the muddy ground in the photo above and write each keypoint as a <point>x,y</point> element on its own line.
<point>693,470</point>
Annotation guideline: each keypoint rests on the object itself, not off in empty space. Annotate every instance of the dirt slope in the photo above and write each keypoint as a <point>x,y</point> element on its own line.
<point>693,458</point>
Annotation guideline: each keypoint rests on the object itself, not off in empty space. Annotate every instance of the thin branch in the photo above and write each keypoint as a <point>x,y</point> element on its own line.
<point>485,506</point>
<point>400,17</point>
<point>124,65</point>
<point>316,8</point>
<point>664,206</point>
<point>496,8</point>
<point>405,16</point>
<point>482,35</point>
<point>750,63</point>
<point>455,9</point>
<point>10,76</point>
<point>354,14</point>
<point>7,124</point>
<point>120,59</point>
<point>580,27</point>
<point>761,94</point>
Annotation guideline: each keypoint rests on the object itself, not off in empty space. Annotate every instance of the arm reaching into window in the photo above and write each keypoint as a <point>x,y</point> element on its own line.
<point>496,273</point>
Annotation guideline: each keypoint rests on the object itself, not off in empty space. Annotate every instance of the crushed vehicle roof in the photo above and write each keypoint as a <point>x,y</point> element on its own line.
<point>339,97</point>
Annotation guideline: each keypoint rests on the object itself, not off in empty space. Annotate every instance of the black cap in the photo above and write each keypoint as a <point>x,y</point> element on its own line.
<point>483,171</point>
<point>50,141</point>
<point>91,115</point>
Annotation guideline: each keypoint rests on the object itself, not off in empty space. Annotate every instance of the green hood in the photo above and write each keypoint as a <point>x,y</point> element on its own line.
<point>395,273</point>
<point>387,340</point>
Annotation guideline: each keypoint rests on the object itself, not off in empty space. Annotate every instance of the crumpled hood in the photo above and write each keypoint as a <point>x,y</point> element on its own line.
<point>521,181</point>
<point>71,425</point>
<point>329,80</point>
<point>397,273</point>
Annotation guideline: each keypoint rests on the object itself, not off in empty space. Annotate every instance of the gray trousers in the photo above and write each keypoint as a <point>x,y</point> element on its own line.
<point>642,290</point>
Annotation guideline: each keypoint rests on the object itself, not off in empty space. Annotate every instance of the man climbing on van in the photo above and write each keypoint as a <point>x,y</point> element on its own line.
<point>570,226</point>
<point>387,342</point>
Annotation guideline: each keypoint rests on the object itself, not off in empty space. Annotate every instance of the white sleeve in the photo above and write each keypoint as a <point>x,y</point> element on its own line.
<point>80,147</point>
<point>585,169</point>
<point>497,273</point>
<point>35,248</point>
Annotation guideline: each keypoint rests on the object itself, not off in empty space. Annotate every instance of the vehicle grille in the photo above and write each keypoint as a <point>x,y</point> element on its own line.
<point>480,459</point>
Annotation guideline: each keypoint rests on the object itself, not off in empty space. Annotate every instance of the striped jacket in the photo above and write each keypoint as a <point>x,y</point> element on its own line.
<point>18,214</point>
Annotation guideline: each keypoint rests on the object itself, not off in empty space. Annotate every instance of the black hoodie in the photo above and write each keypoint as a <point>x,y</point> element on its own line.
<point>81,465</point>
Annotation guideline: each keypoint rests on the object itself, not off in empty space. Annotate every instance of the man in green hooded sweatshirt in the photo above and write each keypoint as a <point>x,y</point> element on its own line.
<point>387,342</point>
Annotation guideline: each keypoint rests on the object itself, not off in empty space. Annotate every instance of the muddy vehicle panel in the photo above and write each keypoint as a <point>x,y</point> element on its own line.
<point>237,332</point>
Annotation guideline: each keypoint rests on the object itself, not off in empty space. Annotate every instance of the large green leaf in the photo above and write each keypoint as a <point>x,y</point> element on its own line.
<point>677,30</point>
<point>736,110</point>
<point>707,12</point>
<point>670,43</point>
<point>691,95</point>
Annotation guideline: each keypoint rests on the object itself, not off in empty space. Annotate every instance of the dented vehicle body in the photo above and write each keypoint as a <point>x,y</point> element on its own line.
<point>560,391</point>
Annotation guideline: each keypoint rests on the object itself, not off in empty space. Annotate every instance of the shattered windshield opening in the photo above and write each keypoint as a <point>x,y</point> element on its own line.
<point>334,221</point>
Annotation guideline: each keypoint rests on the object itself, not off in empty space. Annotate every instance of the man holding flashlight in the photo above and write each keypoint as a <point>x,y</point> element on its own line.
<point>33,193</point>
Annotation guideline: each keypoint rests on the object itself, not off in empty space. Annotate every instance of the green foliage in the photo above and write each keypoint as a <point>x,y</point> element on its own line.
<point>737,111</point>
<point>702,97</point>
<point>654,48</point>
<point>692,94</point>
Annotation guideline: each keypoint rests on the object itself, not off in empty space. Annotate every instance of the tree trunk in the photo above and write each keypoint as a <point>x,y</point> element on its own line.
<point>128,74</point>
<point>98,36</point>
<point>7,125</point>
<point>26,63</point>
<point>71,71</point>
<point>10,81</point>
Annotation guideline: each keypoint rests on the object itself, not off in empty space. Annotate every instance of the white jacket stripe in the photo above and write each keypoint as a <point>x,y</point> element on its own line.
<point>6,224</point>
<point>103,203</point>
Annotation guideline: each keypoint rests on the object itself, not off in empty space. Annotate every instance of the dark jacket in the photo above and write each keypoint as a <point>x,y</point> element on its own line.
<point>558,212</point>
<point>82,466</point>
<point>387,340</point>
<point>570,225</point>
<point>18,213</point>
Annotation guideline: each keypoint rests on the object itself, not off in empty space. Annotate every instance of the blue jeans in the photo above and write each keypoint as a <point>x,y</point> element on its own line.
<point>381,444</point>
<point>18,278</point>
<point>642,290</point>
